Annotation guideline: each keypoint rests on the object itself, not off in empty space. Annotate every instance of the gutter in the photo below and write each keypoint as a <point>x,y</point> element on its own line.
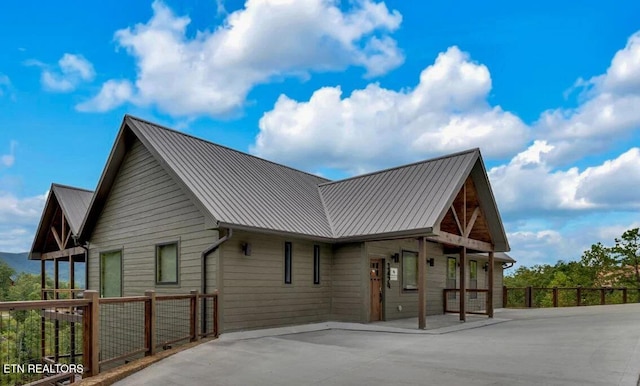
<point>212,248</point>
<point>507,265</point>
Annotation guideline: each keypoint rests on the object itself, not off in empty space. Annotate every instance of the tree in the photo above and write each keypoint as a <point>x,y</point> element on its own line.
<point>5,279</point>
<point>627,249</point>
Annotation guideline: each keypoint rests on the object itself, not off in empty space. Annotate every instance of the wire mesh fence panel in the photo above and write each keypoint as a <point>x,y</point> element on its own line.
<point>40,343</point>
<point>452,300</point>
<point>122,331</point>
<point>515,297</point>
<point>567,297</point>
<point>633,295</point>
<point>614,296</point>
<point>542,297</point>
<point>173,321</point>
<point>476,301</point>
<point>590,296</point>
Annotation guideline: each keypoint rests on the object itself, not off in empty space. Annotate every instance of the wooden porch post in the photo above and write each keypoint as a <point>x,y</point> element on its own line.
<point>422,288</point>
<point>490,286</point>
<point>463,284</point>
<point>43,286</point>
<point>72,326</point>
<point>56,323</point>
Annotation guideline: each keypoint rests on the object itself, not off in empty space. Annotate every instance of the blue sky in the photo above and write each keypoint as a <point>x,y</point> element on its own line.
<point>549,91</point>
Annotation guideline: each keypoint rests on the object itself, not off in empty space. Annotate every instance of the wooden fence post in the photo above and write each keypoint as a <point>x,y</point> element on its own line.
<point>579,296</point>
<point>150,322</point>
<point>91,334</point>
<point>555,296</point>
<point>602,302</point>
<point>528,297</point>
<point>624,295</point>
<point>505,296</point>
<point>193,318</point>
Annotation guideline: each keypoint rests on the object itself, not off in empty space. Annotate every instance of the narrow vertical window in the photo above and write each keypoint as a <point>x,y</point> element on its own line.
<point>111,274</point>
<point>473,278</point>
<point>451,276</point>
<point>316,264</point>
<point>167,263</point>
<point>409,270</point>
<point>287,262</point>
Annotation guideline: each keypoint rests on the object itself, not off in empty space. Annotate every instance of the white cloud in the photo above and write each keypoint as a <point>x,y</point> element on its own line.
<point>72,70</point>
<point>212,73</point>
<point>374,127</point>
<point>20,211</point>
<point>608,111</point>
<point>529,185</point>
<point>112,94</point>
<point>7,160</point>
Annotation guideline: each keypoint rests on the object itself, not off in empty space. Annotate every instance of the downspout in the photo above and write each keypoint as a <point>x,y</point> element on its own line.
<point>203,286</point>
<point>507,265</point>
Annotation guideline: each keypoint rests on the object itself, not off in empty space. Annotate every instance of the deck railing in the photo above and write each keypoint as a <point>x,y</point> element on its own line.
<point>539,297</point>
<point>476,301</point>
<point>76,338</point>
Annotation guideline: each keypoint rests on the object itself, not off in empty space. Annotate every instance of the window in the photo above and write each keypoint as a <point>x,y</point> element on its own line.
<point>167,263</point>
<point>111,274</point>
<point>409,270</point>
<point>316,264</point>
<point>473,278</point>
<point>451,276</point>
<point>287,263</point>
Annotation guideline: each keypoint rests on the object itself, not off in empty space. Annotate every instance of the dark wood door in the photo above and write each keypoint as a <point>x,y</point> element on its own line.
<point>375,275</point>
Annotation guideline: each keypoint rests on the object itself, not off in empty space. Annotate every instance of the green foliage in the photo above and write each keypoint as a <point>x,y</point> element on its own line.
<point>627,251</point>
<point>5,279</point>
<point>599,266</point>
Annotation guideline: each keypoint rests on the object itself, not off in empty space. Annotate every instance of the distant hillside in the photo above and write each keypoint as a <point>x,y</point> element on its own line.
<point>21,263</point>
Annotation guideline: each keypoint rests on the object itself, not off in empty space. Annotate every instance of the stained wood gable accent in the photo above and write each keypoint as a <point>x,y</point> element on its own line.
<point>464,224</point>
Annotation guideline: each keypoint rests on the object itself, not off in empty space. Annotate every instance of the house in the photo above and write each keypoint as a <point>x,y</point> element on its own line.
<point>174,213</point>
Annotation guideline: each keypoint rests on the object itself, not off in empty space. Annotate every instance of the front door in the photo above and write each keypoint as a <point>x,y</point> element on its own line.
<point>375,279</point>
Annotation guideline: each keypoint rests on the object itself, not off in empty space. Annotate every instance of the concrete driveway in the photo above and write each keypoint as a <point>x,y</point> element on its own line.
<point>566,346</point>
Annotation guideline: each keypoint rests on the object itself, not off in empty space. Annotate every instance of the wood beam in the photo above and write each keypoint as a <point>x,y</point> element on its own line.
<point>463,284</point>
<point>472,221</point>
<point>490,286</point>
<point>62,253</point>
<point>461,241</point>
<point>422,285</point>
<point>455,216</point>
<point>464,208</point>
<point>57,237</point>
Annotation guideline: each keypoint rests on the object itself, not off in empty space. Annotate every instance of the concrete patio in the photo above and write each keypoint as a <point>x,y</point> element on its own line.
<point>597,345</point>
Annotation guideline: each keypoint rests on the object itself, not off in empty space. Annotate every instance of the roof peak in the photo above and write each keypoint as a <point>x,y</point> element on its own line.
<point>57,185</point>
<point>222,146</point>
<point>457,154</point>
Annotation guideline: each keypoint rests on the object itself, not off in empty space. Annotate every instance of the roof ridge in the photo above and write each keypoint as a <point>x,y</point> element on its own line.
<point>457,154</point>
<point>224,147</point>
<point>55,184</point>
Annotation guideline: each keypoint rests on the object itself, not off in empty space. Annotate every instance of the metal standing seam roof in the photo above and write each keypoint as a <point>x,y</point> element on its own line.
<point>73,201</point>
<point>237,188</point>
<point>410,197</point>
<point>244,191</point>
